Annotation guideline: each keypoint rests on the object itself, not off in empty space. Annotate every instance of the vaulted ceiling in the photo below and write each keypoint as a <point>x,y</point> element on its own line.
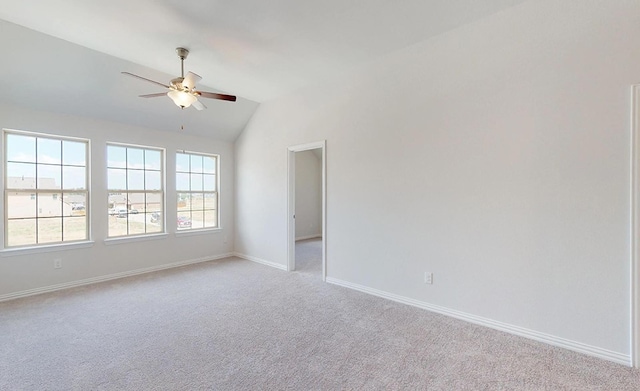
<point>69,57</point>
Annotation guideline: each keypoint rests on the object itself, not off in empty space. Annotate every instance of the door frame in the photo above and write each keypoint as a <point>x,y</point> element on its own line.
<point>635,227</point>
<point>291,202</point>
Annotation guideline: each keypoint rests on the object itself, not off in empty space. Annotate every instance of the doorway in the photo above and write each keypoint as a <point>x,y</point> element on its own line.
<point>311,220</point>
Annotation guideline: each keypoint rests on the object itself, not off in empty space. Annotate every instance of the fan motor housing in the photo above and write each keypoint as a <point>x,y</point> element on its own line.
<point>177,83</point>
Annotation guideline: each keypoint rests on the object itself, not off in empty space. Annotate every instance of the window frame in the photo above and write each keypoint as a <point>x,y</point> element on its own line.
<point>34,194</point>
<point>191,229</point>
<point>144,169</point>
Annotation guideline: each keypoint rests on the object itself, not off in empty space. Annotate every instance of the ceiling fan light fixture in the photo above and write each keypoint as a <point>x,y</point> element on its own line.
<point>182,90</point>
<point>181,98</point>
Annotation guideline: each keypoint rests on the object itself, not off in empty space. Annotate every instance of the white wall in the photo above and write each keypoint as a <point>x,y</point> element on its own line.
<point>25,272</point>
<point>308,195</point>
<point>495,156</point>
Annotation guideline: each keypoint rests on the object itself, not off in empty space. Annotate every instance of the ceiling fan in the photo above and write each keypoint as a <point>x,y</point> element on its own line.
<point>182,90</point>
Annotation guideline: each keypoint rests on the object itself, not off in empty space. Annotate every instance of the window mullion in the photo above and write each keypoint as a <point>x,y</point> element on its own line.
<point>139,162</point>
<point>45,223</point>
<point>37,233</point>
<point>61,194</point>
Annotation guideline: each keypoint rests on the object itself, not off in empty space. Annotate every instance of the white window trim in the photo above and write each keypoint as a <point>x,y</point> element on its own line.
<point>163,177</point>
<point>135,238</point>
<point>45,248</point>
<point>49,246</point>
<point>204,230</point>
<point>198,231</point>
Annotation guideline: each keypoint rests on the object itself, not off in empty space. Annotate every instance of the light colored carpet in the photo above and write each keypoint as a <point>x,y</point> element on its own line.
<point>309,257</point>
<point>237,325</point>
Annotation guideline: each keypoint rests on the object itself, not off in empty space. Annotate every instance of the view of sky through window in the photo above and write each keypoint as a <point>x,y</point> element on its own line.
<point>58,164</point>
<point>134,168</point>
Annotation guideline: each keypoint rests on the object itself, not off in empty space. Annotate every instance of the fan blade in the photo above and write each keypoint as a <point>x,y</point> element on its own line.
<point>198,105</point>
<point>213,95</point>
<point>190,80</point>
<point>145,79</point>
<point>153,95</point>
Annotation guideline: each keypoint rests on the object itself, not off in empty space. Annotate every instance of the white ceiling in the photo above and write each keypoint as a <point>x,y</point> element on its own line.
<point>255,49</point>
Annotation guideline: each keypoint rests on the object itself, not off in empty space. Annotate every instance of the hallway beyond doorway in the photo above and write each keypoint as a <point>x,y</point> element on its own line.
<point>309,256</point>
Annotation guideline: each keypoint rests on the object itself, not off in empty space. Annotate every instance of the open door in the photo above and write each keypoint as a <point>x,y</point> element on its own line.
<point>291,202</point>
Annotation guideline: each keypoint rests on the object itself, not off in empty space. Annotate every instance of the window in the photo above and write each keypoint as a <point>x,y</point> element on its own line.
<point>136,196</point>
<point>45,178</point>
<point>197,187</point>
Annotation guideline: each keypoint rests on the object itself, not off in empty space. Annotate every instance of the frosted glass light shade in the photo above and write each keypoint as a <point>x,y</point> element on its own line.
<point>181,98</point>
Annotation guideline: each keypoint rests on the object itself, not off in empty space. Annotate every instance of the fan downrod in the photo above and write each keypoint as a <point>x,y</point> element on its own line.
<point>182,53</point>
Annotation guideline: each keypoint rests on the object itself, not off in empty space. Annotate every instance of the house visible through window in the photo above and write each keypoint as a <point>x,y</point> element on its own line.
<point>136,195</point>
<point>45,179</point>
<point>197,188</point>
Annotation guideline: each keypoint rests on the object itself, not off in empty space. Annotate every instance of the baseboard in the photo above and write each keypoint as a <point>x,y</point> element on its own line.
<point>108,277</point>
<point>261,261</point>
<point>579,347</point>
<point>309,237</point>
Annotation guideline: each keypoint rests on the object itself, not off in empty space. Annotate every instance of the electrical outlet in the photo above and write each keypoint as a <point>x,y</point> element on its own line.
<point>428,278</point>
<point>57,263</point>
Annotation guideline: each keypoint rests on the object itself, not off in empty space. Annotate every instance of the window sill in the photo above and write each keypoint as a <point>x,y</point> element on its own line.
<point>194,232</point>
<point>130,239</point>
<point>8,252</point>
